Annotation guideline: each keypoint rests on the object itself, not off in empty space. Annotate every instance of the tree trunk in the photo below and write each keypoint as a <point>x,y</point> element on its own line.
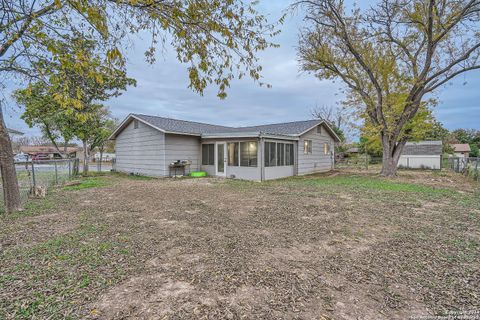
<point>391,156</point>
<point>11,192</point>
<point>85,157</point>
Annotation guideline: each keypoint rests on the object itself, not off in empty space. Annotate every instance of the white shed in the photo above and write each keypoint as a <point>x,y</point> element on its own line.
<point>422,155</point>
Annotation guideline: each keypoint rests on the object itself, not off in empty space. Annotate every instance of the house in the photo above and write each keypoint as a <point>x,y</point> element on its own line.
<point>461,150</point>
<point>105,157</point>
<point>148,145</point>
<point>422,155</point>
<point>50,152</point>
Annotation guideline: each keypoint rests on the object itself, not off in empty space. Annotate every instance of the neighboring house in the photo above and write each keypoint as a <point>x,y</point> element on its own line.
<point>461,150</point>
<point>353,150</point>
<point>422,155</point>
<point>50,152</point>
<point>106,156</point>
<point>148,145</point>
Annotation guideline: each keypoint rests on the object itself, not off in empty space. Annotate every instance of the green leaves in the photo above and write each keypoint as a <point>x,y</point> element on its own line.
<point>218,40</point>
<point>65,104</point>
<point>390,57</point>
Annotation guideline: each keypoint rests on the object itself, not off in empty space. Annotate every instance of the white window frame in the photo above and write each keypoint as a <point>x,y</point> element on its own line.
<point>307,146</point>
<point>326,148</point>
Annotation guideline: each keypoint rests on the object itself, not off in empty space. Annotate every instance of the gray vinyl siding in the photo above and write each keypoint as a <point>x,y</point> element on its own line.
<point>183,147</point>
<point>141,150</point>
<point>317,161</point>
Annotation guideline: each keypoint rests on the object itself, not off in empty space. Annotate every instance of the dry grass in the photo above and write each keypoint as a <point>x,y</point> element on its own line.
<point>337,246</point>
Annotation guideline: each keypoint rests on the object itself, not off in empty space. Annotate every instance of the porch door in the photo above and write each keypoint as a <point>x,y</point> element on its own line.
<point>221,159</point>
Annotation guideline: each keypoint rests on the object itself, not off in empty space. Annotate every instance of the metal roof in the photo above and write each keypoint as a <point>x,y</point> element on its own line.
<point>430,148</point>
<point>168,125</point>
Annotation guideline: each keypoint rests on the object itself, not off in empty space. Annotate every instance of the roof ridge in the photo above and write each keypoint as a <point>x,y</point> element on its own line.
<point>277,123</point>
<point>230,127</point>
<point>190,121</point>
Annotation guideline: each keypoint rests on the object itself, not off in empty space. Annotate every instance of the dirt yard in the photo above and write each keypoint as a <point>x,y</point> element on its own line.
<point>336,246</point>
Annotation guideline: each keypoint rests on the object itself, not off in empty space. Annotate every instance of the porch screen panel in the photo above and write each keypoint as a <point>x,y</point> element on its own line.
<point>233,154</point>
<point>248,154</point>
<point>280,154</point>
<point>270,154</point>
<point>289,154</point>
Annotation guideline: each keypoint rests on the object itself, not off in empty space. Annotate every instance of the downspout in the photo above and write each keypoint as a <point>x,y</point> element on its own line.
<point>295,157</point>
<point>262,160</point>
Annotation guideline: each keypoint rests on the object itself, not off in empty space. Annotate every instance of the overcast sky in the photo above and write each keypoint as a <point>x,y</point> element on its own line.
<point>162,89</point>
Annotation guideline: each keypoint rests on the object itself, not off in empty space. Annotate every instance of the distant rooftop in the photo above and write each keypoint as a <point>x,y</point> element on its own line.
<point>461,147</point>
<point>425,143</point>
<point>418,148</point>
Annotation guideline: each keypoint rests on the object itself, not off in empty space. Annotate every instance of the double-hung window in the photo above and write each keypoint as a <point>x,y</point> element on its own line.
<point>208,154</point>
<point>307,146</point>
<point>326,148</point>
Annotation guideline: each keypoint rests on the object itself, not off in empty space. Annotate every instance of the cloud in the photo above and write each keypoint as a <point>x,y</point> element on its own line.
<point>162,89</point>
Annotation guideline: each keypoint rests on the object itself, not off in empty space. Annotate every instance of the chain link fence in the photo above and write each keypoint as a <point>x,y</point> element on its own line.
<point>45,173</point>
<point>469,167</point>
<point>361,161</point>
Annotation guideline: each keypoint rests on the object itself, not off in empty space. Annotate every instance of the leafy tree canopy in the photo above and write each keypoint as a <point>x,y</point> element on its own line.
<point>422,127</point>
<point>391,57</point>
<point>469,136</point>
<point>218,40</point>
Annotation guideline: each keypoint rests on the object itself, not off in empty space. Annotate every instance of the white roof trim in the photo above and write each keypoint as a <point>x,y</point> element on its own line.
<point>248,135</point>
<point>326,125</point>
<point>121,127</point>
<point>182,133</point>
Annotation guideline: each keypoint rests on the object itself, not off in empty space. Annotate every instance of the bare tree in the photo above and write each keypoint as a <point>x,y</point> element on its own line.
<point>340,117</point>
<point>391,56</point>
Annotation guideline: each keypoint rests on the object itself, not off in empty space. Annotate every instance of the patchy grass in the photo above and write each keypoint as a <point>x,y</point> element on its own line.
<point>369,183</point>
<point>335,247</point>
<point>51,262</point>
<point>87,183</point>
<point>134,176</point>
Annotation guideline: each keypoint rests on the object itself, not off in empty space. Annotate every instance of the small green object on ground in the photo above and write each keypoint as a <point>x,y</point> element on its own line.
<point>197,174</point>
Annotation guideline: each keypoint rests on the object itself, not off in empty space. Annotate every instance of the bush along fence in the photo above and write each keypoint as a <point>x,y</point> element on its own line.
<point>469,167</point>
<point>42,174</point>
<point>361,161</point>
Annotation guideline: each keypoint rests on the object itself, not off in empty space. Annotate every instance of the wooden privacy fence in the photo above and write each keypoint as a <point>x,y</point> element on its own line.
<point>42,173</point>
